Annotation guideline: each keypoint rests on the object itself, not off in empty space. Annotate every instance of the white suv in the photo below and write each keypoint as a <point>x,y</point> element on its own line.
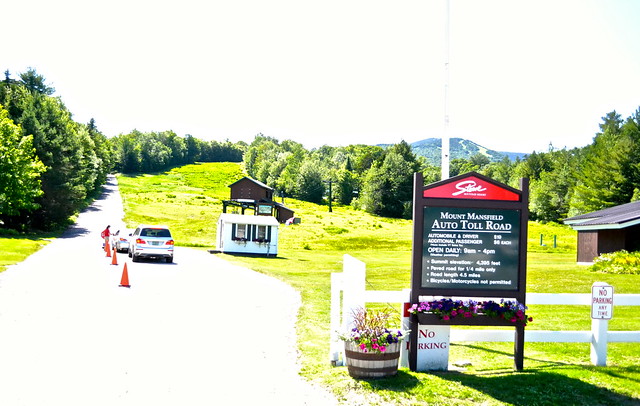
<point>151,242</point>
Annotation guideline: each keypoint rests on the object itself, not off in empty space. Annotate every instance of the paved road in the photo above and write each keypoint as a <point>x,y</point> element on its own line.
<point>200,331</point>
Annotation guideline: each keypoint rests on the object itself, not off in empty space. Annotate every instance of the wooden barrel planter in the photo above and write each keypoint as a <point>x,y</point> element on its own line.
<point>369,365</point>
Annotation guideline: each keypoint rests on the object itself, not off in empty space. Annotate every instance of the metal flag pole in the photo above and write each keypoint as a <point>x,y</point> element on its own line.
<point>445,135</point>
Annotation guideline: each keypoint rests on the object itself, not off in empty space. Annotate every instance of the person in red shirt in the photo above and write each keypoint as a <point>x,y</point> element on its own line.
<point>105,236</point>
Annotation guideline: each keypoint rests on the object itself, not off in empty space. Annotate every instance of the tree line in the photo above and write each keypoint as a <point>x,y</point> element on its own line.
<point>139,152</point>
<point>563,182</point>
<point>51,167</point>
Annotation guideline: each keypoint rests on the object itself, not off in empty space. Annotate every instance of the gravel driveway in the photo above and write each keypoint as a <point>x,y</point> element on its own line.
<point>200,331</point>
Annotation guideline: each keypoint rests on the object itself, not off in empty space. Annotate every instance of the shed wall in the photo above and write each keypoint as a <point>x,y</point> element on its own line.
<point>283,214</point>
<point>587,246</point>
<point>610,241</point>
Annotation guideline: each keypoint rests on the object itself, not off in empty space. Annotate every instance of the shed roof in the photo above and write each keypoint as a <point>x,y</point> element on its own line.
<point>248,219</point>
<point>257,182</point>
<point>617,217</point>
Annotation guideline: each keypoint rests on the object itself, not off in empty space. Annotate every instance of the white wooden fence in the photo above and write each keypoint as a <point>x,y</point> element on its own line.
<point>348,293</point>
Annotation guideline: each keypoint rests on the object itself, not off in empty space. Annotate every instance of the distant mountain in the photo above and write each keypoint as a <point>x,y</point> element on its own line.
<point>431,148</point>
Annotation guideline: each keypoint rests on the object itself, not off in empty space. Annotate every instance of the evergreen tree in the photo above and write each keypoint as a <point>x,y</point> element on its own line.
<point>605,177</point>
<point>58,145</point>
<point>35,82</point>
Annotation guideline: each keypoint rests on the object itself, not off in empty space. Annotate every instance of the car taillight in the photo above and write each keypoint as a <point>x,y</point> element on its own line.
<point>170,242</point>
<point>140,241</point>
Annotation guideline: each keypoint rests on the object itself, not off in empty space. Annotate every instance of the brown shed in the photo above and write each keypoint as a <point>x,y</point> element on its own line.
<point>608,230</point>
<point>250,189</point>
<point>283,213</point>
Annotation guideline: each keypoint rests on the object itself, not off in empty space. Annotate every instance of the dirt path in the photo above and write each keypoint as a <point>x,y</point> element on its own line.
<point>197,332</point>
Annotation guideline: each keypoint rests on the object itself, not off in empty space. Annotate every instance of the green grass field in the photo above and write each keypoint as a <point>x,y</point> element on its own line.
<point>188,199</point>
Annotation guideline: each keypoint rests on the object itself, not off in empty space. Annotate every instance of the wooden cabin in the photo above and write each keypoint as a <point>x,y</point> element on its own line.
<point>250,189</point>
<point>608,230</point>
<point>250,235</point>
<point>250,194</point>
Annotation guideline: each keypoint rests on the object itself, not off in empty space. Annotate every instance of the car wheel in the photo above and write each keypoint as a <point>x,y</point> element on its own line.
<point>129,252</point>
<point>135,258</point>
<point>169,260</point>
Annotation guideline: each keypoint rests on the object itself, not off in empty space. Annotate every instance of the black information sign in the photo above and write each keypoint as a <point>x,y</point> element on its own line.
<point>470,248</point>
<point>469,241</point>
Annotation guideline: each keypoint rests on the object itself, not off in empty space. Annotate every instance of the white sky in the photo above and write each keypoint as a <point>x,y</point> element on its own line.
<point>522,73</point>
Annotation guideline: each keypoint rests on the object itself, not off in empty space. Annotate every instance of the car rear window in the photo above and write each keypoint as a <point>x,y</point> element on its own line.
<point>155,232</point>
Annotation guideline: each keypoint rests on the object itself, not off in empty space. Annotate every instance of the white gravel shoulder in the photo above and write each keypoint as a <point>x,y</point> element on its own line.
<point>200,331</point>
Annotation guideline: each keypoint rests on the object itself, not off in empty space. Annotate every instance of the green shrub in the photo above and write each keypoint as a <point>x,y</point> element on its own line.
<point>620,262</point>
<point>333,230</point>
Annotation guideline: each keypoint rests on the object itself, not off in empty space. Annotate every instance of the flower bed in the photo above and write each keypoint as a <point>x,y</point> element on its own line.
<point>470,312</point>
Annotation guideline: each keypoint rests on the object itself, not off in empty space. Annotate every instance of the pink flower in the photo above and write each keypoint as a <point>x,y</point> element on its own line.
<point>445,317</point>
<point>454,313</point>
<point>513,320</point>
<point>382,348</point>
<point>363,346</point>
<point>467,314</point>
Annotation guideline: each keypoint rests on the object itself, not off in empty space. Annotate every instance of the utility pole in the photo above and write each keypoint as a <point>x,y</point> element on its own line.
<point>330,182</point>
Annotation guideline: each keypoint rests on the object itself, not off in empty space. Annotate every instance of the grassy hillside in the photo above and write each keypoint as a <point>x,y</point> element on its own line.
<point>189,200</point>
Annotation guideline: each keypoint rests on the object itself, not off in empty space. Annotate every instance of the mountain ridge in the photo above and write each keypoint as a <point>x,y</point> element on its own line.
<point>431,149</point>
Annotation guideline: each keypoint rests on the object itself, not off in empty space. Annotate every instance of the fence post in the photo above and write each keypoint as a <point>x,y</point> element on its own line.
<point>353,289</point>
<point>599,331</point>
<point>406,325</point>
<point>336,346</point>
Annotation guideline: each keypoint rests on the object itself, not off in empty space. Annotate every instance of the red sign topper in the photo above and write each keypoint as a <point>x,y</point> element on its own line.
<point>470,187</point>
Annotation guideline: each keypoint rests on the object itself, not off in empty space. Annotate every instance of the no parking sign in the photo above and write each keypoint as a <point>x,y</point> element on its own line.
<point>601,301</point>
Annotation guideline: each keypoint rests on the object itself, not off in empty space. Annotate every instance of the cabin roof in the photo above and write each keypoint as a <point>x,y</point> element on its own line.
<point>257,182</point>
<point>617,217</point>
<point>248,219</point>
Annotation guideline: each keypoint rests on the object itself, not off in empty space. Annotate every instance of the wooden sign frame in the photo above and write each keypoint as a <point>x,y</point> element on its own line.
<point>467,197</point>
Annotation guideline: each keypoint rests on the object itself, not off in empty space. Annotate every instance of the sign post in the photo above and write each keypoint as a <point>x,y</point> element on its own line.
<point>470,238</point>
<point>601,313</point>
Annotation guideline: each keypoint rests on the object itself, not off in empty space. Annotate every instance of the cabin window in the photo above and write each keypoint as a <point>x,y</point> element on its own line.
<point>239,232</point>
<point>262,234</point>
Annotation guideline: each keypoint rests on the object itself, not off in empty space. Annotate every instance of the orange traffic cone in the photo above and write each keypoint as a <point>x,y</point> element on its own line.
<point>124,282</point>
<point>114,261</point>
<point>107,249</point>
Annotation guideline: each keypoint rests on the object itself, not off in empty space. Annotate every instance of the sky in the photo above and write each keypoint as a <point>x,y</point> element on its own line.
<point>522,74</point>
